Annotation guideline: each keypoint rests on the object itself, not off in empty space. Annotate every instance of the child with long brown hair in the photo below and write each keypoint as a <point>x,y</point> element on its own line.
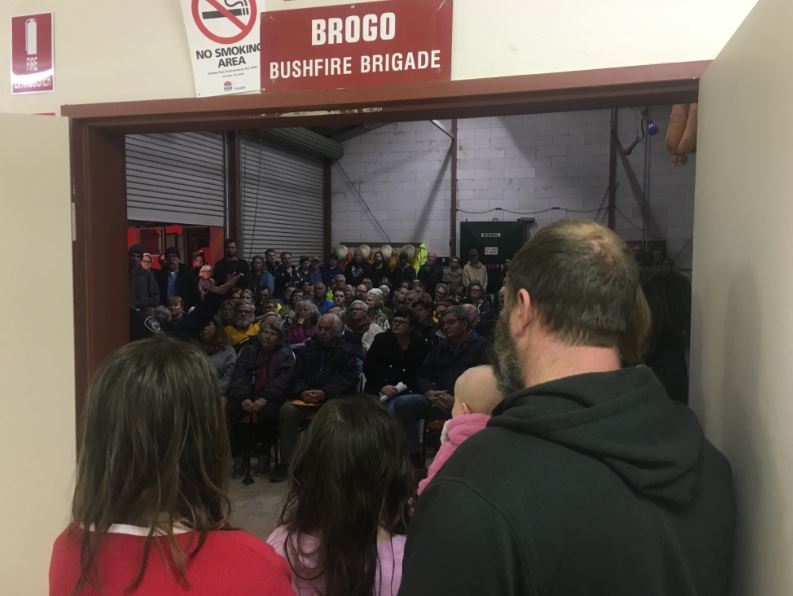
<point>346,510</point>
<point>150,510</point>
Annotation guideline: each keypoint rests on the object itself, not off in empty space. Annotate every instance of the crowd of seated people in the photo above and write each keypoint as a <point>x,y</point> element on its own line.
<point>563,468</point>
<point>288,338</point>
<point>401,334</point>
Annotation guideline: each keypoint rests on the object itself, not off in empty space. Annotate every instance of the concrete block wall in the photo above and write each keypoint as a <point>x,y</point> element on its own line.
<point>547,166</point>
<point>403,173</point>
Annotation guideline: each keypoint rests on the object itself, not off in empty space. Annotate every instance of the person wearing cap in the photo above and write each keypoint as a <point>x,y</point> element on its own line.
<point>177,279</point>
<point>316,275</point>
<point>143,290</point>
<point>474,270</point>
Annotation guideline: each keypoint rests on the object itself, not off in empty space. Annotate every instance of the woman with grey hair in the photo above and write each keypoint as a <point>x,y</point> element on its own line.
<point>260,384</point>
<point>304,325</point>
<point>360,331</point>
<point>374,300</point>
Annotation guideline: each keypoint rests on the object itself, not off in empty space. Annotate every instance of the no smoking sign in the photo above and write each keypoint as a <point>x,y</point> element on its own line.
<point>224,21</point>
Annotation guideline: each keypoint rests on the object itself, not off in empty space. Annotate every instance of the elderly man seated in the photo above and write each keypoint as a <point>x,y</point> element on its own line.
<point>459,350</point>
<point>327,367</point>
<point>244,325</point>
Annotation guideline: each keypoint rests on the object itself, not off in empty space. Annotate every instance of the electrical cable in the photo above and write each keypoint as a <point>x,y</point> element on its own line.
<point>360,198</point>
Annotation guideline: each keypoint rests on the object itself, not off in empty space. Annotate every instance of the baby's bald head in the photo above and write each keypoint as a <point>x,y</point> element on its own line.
<point>476,389</point>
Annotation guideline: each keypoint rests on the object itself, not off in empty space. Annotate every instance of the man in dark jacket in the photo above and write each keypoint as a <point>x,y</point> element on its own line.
<point>395,356</point>
<point>177,279</point>
<point>358,269</point>
<point>459,350</point>
<point>588,480</point>
<point>430,273</point>
<point>143,291</point>
<point>188,327</point>
<point>284,275</point>
<point>326,368</point>
<point>403,272</point>
<point>231,263</point>
<point>330,270</point>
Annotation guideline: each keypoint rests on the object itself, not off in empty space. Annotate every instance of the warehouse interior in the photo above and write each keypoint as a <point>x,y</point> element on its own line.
<point>413,182</point>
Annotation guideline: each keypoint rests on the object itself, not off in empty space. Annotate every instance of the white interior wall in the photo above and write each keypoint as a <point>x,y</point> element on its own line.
<point>743,328</point>
<point>402,171</point>
<point>37,428</point>
<point>543,165</point>
<point>116,50</point>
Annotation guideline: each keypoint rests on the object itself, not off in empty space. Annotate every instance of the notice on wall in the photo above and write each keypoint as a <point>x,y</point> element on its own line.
<point>223,39</point>
<point>380,43</point>
<point>32,63</point>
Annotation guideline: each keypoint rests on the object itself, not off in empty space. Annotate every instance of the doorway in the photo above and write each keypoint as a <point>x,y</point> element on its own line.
<point>97,139</point>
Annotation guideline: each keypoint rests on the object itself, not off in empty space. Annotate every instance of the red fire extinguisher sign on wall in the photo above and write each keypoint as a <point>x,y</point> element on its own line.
<point>32,64</point>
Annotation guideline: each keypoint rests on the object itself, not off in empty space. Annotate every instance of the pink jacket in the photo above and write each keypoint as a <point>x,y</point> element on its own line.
<point>454,433</point>
<point>298,334</point>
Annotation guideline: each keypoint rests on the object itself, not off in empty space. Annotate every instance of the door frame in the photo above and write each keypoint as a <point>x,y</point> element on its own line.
<point>98,168</point>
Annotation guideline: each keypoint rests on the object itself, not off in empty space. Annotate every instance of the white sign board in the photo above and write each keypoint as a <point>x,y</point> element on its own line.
<point>223,38</point>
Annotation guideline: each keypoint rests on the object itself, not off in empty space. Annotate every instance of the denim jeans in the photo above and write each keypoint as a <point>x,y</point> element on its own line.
<point>408,409</point>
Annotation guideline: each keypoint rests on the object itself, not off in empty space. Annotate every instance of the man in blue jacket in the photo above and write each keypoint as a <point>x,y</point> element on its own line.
<point>327,367</point>
<point>460,349</point>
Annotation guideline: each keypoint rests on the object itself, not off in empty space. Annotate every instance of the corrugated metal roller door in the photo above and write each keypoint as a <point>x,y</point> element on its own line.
<point>281,199</point>
<point>176,178</point>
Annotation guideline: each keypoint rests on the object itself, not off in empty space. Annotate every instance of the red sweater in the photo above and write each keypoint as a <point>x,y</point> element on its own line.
<point>230,562</point>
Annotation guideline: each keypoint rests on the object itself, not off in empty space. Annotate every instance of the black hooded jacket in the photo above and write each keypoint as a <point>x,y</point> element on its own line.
<point>596,485</point>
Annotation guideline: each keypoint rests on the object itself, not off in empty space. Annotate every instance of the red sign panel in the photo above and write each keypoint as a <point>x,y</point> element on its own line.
<point>32,65</point>
<point>379,43</point>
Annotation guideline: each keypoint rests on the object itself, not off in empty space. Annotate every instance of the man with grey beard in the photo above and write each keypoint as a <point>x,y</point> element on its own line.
<point>243,326</point>
<point>588,479</point>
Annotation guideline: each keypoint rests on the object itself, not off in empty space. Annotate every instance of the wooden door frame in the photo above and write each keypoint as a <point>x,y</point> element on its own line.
<point>98,173</point>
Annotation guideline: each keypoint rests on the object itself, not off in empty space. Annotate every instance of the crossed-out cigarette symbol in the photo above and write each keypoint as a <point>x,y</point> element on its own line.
<point>237,8</point>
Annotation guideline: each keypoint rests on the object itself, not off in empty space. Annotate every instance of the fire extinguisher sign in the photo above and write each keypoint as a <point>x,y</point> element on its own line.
<point>32,64</point>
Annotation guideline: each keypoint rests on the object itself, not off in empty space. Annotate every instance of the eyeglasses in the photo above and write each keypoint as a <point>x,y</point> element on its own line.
<point>399,322</point>
<point>449,321</point>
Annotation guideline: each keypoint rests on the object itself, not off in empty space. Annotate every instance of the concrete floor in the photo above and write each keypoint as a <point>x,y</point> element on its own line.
<point>256,507</point>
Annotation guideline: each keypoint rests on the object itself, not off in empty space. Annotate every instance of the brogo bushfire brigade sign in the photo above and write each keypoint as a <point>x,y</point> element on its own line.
<point>223,37</point>
<point>353,45</point>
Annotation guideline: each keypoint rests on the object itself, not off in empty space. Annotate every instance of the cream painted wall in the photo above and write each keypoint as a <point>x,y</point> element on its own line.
<point>37,430</point>
<point>743,322</point>
<point>117,50</point>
